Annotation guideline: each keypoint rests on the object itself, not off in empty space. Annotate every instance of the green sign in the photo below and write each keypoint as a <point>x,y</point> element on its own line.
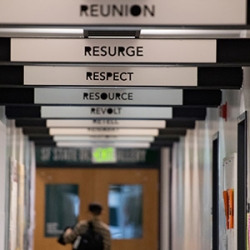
<point>56,156</point>
<point>104,155</point>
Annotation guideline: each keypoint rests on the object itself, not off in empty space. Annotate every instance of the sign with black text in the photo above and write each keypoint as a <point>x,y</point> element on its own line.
<point>106,112</point>
<point>113,50</point>
<point>110,76</point>
<point>115,96</point>
<point>98,12</point>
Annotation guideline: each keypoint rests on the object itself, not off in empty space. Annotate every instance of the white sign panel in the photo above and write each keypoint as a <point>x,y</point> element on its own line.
<point>113,50</point>
<point>102,138</point>
<point>109,96</point>
<point>104,144</point>
<point>103,12</point>
<point>106,112</point>
<point>110,76</point>
<point>102,131</point>
<point>106,123</point>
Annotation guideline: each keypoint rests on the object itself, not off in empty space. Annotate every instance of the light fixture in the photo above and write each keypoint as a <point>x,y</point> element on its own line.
<point>183,33</point>
<point>75,32</point>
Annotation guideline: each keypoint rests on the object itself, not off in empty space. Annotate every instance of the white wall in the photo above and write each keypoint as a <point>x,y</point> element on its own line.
<point>14,145</point>
<point>192,172</point>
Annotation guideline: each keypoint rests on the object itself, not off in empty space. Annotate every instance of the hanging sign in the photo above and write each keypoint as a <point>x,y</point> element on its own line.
<point>104,144</point>
<point>106,123</point>
<point>102,131</point>
<point>103,138</point>
<point>109,96</point>
<point>113,50</point>
<point>98,12</point>
<point>106,112</point>
<point>110,76</point>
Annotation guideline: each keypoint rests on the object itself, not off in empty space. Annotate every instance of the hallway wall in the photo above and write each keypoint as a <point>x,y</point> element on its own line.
<point>3,179</point>
<point>192,172</point>
<point>17,166</point>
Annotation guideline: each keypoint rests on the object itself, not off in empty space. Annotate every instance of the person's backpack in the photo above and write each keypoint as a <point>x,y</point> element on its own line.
<point>90,240</point>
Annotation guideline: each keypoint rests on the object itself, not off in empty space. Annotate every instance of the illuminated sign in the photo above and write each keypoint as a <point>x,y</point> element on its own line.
<point>104,155</point>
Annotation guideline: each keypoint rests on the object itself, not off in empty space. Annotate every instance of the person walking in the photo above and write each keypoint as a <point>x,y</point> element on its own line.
<point>95,224</point>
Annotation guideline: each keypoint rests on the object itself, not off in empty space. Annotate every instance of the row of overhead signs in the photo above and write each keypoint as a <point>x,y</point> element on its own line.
<point>122,91</point>
<point>126,100</point>
<point>42,80</point>
<point>94,132</point>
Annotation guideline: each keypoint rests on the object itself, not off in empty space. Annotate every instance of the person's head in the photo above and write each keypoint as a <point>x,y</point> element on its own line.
<point>95,208</point>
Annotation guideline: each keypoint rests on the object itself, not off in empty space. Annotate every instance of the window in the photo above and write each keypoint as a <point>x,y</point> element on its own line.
<point>125,211</point>
<point>62,208</point>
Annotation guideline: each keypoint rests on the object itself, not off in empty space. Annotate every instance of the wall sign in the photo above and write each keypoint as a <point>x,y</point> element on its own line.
<point>108,96</point>
<point>109,76</point>
<point>106,112</point>
<point>113,50</point>
<point>53,156</point>
<point>161,12</point>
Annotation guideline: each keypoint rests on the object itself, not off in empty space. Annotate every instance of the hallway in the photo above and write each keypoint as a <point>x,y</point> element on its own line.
<point>140,106</point>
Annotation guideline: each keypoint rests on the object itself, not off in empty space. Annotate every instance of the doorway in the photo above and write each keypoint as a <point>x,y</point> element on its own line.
<point>135,187</point>
<point>215,193</point>
<point>242,182</point>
